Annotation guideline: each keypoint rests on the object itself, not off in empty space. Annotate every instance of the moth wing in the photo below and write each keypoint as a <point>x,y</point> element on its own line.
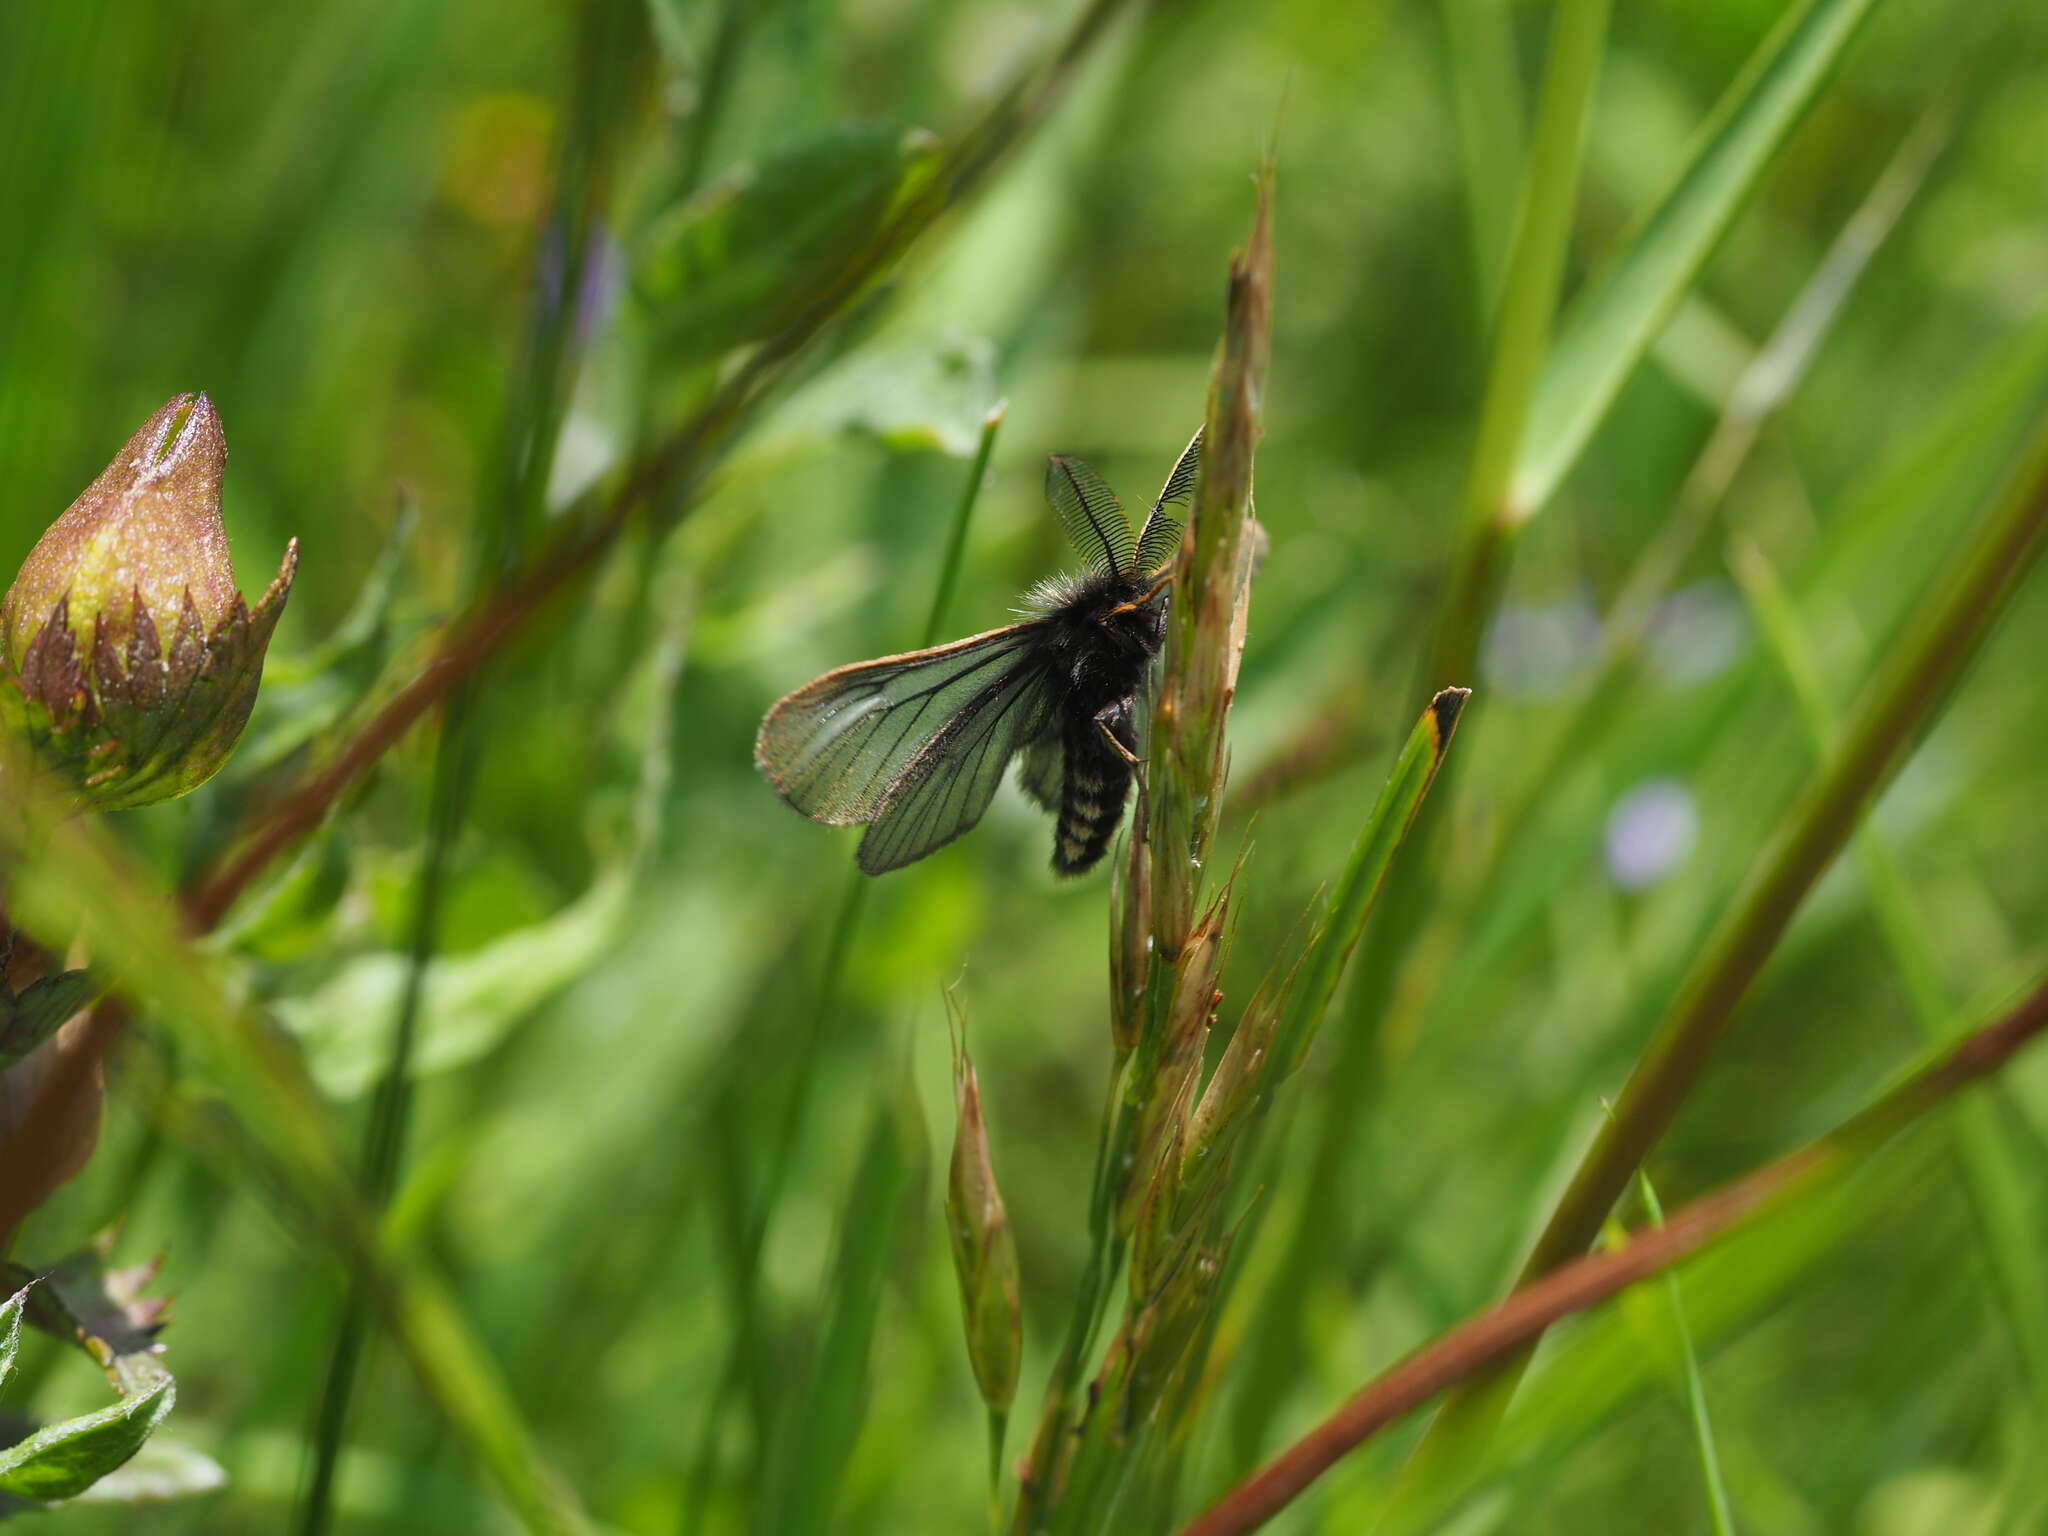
<point>1042,773</point>
<point>1088,510</point>
<point>1161,535</point>
<point>839,746</point>
<point>949,786</point>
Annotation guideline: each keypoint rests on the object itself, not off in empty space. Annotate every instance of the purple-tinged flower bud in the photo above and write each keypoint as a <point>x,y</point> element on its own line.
<point>129,657</point>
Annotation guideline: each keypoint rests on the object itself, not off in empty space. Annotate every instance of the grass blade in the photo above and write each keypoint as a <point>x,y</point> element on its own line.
<point>1612,325</point>
<point>2000,1195</point>
<point>817,1434</point>
<point>1771,377</point>
<point>515,487</point>
<point>1694,1389</point>
<point>748,1326</point>
<point>1486,96</point>
<point>1528,305</point>
<point>1269,1324</point>
<point>1956,612</point>
<point>1372,856</point>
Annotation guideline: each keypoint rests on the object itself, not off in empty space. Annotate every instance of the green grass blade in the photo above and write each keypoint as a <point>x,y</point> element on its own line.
<point>963,518</point>
<point>1365,872</point>
<point>1602,1367</point>
<point>1528,306</point>
<point>2001,1199</point>
<point>1772,376</point>
<point>1486,98</point>
<point>1272,1346</point>
<point>816,1436</point>
<point>1612,325</point>
<point>514,489</point>
<point>1718,1511</point>
<point>846,921</point>
<point>1956,612</point>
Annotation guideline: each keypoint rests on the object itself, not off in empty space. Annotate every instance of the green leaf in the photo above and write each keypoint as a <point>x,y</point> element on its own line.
<point>745,257</point>
<point>10,1331</point>
<point>39,1011</point>
<point>65,1459</point>
<point>163,1469</point>
<point>1613,323</point>
<point>471,999</point>
<point>930,394</point>
<point>84,1300</point>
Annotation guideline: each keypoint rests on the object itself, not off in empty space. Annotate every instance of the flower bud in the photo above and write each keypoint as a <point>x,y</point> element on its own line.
<point>132,659</point>
<point>984,1248</point>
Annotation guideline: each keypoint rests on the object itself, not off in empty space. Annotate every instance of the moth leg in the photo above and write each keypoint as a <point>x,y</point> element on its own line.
<point>1102,724</point>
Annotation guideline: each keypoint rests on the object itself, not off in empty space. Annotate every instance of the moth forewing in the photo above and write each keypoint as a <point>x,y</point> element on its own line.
<point>946,791</point>
<point>839,746</point>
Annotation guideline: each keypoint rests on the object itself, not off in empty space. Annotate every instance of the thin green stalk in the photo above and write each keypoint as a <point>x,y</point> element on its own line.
<point>1719,1513</point>
<point>1091,1298</point>
<point>2006,1213</point>
<point>998,1431</point>
<point>963,515</point>
<point>1488,518</point>
<point>513,496</point>
<point>1486,99</point>
<point>714,85</point>
<point>805,1051</point>
<point>1955,614</point>
<point>1771,377</point>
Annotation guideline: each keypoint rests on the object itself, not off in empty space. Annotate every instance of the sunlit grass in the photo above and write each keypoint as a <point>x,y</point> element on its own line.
<point>648,1228</point>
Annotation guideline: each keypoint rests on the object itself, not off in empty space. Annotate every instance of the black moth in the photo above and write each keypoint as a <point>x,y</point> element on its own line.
<point>914,745</point>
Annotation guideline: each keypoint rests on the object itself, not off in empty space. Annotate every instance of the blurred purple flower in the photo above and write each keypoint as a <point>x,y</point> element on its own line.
<point>1536,650</point>
<point>1695,632</point>
<point>1650,832</point>
<point>602,280</point>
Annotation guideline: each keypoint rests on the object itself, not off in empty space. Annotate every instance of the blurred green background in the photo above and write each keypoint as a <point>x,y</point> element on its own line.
<point>327,216</point>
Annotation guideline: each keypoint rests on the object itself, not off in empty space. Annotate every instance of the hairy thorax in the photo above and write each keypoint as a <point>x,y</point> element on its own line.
<point>1102,638</point>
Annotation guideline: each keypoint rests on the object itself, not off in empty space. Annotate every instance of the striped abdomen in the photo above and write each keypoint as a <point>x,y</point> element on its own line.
<point>1095,783</point>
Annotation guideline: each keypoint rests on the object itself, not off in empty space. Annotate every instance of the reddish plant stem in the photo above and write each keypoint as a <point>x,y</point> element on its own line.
<point>474,641</point>
<point>1492,1335</point>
